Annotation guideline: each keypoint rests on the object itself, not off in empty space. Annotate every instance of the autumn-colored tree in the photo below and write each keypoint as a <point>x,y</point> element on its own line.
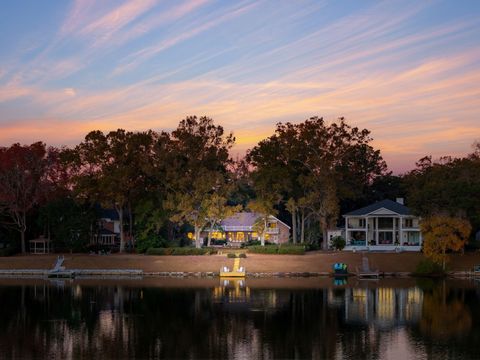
<point>22,175</point>
<point>442,233</point>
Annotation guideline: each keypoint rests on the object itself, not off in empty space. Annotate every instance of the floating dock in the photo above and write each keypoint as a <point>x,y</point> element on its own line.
<point>237,271</point>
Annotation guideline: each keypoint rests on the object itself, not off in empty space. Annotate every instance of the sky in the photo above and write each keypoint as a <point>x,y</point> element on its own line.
<point>409,71</point>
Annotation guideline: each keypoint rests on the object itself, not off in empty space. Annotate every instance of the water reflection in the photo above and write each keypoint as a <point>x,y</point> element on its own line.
<point>239,319</point>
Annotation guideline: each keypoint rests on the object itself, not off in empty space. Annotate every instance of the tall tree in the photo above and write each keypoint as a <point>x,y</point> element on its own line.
<point>109,169</point>
<point>314,165</point>
<point>263,206</point>
<point>448,185</point>
<point>198,163</point>
<point>22,175</point>
<point>217,209</point>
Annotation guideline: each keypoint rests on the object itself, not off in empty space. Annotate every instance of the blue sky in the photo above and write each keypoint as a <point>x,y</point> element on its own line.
<point>407,70</point>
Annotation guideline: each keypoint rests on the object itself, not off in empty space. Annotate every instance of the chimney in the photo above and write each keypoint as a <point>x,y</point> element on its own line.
<point>400,201</point>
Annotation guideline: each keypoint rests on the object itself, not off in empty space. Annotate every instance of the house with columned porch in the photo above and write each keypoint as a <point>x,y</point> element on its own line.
<point>384,225</point>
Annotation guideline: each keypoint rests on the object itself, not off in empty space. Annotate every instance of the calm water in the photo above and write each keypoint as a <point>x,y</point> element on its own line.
<point>252,319</point>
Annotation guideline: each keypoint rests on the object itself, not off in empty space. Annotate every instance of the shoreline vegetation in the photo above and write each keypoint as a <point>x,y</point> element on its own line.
<point>162,192</point>
<point>312,264</point>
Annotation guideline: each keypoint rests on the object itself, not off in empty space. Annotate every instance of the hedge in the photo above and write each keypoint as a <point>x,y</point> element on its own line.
<point>179,251</point>
<point>8,251</point>
<point>278,249</point>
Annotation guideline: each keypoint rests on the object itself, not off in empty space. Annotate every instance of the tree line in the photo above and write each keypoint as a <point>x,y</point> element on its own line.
<point>161,184</point>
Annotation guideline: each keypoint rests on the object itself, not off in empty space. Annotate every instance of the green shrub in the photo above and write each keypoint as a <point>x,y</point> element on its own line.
<point>181,251</point>
<point>8,251</point>
<point>427,267</point>
<point>278,249</point>
<point>267,249</point>
<point>159,251</point>
<point>231,255</point>
<point>338,243</point>
<point>147,241</point>
<point>242,255</point>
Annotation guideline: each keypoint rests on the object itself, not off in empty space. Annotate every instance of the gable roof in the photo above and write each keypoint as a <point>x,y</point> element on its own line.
<point>245,219</point>
<point>385,204</point>
<point>240,219</point>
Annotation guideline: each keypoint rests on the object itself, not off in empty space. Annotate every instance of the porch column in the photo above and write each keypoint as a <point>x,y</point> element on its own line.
<point>400,231</point>
<point>366,230</point>
<point>394,231</point>
<point>346,231</point>
<point>376,230</point>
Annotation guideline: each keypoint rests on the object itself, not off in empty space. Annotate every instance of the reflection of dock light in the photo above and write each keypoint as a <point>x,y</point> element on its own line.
<point>232,290</point>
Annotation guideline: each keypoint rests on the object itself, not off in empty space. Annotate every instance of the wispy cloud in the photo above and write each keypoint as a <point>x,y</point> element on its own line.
<point>108,25</point>
<point>147,53</point>
<point>415,84</point>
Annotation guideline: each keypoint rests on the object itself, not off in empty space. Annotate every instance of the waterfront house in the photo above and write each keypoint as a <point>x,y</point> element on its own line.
<point>384,225</point>
<point>108,230</point>
<point>239,228</point>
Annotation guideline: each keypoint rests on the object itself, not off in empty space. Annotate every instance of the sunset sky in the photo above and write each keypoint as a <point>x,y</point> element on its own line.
<point>408,71</point>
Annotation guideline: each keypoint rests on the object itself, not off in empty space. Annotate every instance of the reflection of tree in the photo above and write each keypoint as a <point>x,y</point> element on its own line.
<point>121,321</point>
<point>442,316</point>
<point>303,327</point>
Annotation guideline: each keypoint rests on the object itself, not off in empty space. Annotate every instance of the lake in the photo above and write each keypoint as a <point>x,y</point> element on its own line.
<point>240,319</point>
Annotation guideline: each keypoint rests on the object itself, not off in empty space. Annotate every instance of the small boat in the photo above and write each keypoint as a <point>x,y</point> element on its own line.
<point>340,269</point>
<point>237,270</point>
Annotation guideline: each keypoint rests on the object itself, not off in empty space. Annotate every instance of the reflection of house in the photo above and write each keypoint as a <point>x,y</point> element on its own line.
<point>240,228</point>
<point>385,225</point>
<point>235,293</point>
<point>383,306</point>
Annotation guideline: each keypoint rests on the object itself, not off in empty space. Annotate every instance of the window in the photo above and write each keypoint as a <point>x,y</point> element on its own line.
<point>385,237</point>
<point>385,223</point>
<point>408,223</point>
<point>356,223</point>
<point>413,238</point>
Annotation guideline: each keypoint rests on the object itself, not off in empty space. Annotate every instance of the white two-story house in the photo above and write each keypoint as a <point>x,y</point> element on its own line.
<point>384,225</point>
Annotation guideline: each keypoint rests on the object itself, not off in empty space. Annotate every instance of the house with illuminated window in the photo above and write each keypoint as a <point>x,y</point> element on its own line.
<point>108,228</point>
<point>239,228</point>
<point>384,225</point>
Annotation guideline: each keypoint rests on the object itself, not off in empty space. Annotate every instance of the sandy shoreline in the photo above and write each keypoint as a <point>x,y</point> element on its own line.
<point>313,262</point>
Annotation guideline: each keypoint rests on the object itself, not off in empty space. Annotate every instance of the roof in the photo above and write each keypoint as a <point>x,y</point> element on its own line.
<point>386,204</point>
<point>245,219</point>
<point>241,219</point>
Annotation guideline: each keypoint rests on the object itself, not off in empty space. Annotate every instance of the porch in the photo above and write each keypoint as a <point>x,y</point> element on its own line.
<point>382,233</point>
